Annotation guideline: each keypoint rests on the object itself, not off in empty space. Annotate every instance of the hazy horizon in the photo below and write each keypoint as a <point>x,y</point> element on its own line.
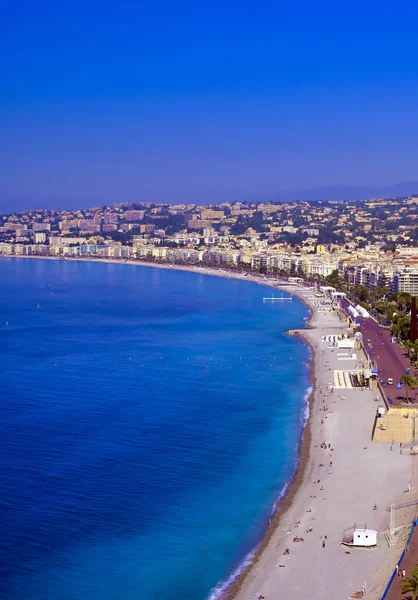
<point>332,192</point>
<point>203,104</point>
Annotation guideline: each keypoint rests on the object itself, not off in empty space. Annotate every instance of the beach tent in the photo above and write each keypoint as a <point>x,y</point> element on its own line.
<point>362,311</point>
<point>353,311</point>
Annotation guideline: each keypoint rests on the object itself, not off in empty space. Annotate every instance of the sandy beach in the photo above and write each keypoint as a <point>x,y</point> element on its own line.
<point>356,476</point>
<point>350,479</point>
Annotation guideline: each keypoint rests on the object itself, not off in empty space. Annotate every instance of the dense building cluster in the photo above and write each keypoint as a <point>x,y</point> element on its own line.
<point>372,242</point>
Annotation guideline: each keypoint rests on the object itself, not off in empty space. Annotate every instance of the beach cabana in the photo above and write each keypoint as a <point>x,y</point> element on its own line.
<point>360,535</point>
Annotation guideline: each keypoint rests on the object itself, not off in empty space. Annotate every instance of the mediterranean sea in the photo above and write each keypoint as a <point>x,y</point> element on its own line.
<point>149,420</point>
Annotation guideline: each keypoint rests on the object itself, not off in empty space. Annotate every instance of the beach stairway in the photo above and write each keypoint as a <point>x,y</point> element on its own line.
<point>397,425</point>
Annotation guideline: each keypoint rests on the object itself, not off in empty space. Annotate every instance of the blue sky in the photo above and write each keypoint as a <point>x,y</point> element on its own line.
<point>203,101</point>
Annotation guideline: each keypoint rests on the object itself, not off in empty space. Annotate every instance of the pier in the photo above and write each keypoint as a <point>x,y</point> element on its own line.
<point>280,299</point>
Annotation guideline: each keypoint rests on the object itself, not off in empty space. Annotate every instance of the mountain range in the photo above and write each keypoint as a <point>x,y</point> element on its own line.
<point>349,192</point>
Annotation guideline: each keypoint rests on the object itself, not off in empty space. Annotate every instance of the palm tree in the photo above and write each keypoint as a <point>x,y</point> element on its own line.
<point>410,383</point>
<point>412,348</point>
<point>409,585</point>
<point>413,384</point>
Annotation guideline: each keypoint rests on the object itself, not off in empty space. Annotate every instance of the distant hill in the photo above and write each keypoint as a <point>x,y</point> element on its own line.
<point>349,192</point>
<point>331,192</point>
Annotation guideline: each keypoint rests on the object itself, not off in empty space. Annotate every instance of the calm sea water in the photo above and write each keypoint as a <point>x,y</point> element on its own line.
<point>148,421</point>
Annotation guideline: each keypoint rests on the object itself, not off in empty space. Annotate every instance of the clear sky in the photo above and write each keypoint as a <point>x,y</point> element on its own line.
<point>203,101</point>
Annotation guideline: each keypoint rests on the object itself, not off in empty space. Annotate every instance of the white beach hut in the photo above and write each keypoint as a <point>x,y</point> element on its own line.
<point>360,535</point>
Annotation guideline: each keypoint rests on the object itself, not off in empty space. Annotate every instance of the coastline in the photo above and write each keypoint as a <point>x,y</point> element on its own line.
<point>285,499</point>
<point>349,428</point>
<point>284,503</point>
<point>359,482</point>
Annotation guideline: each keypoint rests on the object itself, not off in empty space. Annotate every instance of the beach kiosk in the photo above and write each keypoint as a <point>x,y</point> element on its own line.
<point>358,337</point>
<point>359,535</point>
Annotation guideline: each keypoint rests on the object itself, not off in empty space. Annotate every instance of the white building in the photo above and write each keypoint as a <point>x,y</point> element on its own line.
<point>406,280</point>
<point>360,535</point>
<point>40,238</point>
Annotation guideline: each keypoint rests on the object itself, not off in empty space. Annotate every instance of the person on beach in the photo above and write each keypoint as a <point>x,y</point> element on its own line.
<point>323,543</point>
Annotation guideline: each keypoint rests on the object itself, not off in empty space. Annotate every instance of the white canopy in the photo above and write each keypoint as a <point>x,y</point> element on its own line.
<point>362,311</point>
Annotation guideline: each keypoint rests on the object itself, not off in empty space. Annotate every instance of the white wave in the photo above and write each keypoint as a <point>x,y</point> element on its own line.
<point>219,590</point>
<point>305,410</point>
<point>282,493</point>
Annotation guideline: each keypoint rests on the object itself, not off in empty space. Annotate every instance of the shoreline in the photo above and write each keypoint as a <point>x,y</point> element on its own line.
<point>285,499</point>
<point>294,484</point>
<point>367,478</point>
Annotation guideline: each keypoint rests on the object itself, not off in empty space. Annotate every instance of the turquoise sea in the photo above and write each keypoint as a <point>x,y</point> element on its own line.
<point>149,420</point>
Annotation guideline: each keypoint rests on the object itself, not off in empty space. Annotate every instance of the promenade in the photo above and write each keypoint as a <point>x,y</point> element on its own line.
<point>347,479</point>
<point>408,563</point>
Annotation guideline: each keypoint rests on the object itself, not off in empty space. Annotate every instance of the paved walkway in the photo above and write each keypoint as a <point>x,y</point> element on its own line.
<point>409,561</point>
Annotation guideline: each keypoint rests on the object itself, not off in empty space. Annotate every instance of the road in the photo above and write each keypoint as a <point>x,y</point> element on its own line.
<point>390,358</point>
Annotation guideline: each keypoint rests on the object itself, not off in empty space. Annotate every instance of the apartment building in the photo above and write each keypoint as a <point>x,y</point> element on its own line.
<point>406,280</point>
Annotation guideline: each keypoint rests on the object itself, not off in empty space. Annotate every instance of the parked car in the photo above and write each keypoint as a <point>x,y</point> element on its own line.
<point>390,381</point>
